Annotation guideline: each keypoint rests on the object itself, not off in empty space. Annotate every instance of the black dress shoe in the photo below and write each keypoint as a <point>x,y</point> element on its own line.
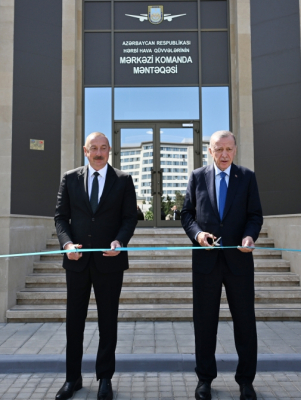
<point>247,392</point>
<point>203,391</point>
<point>105,391</point>
<point>68,389</point>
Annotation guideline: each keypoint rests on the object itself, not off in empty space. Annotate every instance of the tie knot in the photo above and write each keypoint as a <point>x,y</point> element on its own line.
<point>223,174</point>
<point>96,174</point>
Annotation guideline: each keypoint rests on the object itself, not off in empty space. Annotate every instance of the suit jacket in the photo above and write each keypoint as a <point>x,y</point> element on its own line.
<point>115,218</point>
<point>242,217</point>
<point>178,215</point>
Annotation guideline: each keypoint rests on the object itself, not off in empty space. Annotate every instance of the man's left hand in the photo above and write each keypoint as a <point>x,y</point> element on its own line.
<point>112,252</point>
<point>247,242</point>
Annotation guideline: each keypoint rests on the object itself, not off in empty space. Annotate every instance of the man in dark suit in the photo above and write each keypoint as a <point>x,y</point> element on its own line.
<point>176,213</point>
<point>96,208</point>
<point>222,200</point>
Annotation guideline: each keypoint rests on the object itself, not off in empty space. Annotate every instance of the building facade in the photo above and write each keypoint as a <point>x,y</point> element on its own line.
<point>158,79</point>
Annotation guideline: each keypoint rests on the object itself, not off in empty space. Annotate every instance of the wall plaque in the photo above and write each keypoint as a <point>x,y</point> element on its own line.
<point>36,144</point>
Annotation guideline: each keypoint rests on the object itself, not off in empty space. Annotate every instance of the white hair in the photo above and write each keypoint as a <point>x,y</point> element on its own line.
<point>221,134</point>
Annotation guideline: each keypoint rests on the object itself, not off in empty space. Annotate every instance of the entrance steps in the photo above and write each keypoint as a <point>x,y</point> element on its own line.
<point>157,287</point>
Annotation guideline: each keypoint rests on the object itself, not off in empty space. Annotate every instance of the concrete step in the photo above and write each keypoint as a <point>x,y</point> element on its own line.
<point>177,265</point>
<point>158,295</point>
<point>171,254</point>
<point>149,312</point>
<point>168,241</point>
<point>163,232</point>
<point>163,279</point>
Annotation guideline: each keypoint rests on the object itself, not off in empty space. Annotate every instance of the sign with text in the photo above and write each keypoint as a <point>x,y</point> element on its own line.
<point>156,58</point>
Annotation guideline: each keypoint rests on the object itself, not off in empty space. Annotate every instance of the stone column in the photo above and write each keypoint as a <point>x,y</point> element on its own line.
<point>300,19</point>
<point>6,112</point>
<point>71,143</point>
<point>241,80</point>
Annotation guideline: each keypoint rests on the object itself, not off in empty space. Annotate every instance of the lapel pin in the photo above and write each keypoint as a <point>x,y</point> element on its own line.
<point>235,176</point>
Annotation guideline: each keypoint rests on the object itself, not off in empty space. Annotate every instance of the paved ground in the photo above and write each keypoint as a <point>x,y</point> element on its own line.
<point>145,338</point>
<point>149,386</point>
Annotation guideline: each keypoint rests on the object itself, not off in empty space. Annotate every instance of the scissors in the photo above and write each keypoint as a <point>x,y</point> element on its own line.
<point>214,243</point>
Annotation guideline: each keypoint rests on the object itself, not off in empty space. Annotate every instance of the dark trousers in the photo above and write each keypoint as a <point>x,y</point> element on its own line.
<point>107,288</point>
<point>206,304</point>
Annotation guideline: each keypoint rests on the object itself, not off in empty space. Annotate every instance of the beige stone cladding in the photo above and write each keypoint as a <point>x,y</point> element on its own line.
<point>241,80</point>
<point>286,231</point>
<point>71,125</point>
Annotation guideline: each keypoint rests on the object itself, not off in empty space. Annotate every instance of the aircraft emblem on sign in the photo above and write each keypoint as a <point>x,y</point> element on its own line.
<point>155,15</point>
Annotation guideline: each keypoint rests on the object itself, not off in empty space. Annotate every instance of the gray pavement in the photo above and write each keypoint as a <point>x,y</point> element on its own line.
<point>149,386</point>
<point>152,341</point>
<point>145,338</point>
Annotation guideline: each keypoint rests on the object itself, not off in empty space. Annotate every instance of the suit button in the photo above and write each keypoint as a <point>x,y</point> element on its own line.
<point>93,219</point>
<point>89,235</point>
<point>221,225</point>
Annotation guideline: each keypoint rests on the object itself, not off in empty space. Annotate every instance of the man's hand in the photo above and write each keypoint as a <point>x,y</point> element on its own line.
<point>112,253</point>
<point>203,237</point>
<point>249,242</point>
<point>73,256</point>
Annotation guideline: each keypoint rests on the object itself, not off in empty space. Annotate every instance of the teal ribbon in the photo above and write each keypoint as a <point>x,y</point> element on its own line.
<point>42,253</point>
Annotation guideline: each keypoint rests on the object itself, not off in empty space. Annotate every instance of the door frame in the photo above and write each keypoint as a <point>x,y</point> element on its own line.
<point>157,178</point>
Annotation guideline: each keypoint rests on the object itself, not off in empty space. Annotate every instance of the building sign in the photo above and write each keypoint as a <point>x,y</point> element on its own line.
<point>164,58</point>
<point>155,15</point>
<point>132,15</point>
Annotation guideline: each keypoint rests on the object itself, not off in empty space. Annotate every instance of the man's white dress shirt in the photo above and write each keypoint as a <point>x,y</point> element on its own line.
<point>101,179</point>
<point>218,183</point>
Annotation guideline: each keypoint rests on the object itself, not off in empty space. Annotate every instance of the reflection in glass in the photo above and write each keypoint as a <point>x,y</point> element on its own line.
<point>215,115</point>
<point>164,103</point>
<point>136,159</point>
<point>214,14</point>
<point>214,53</point>
<point>176,164</point>
<point>98,112</point>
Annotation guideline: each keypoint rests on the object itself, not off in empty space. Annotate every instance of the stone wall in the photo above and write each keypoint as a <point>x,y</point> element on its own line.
<point>286,232</point>
<point>19,234</point>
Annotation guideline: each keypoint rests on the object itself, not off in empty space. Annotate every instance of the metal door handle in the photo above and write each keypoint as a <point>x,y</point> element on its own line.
<point>160,173</point>
<point>153,183</point>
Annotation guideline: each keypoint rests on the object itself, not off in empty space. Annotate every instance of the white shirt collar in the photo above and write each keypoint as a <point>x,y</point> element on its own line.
<point>102,172</point>
<point>218,171</point>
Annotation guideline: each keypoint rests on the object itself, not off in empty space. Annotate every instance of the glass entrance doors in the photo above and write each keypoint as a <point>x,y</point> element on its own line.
<point>160,157</point>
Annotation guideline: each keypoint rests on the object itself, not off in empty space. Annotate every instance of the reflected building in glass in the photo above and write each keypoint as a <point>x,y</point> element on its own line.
<point>176,162</point>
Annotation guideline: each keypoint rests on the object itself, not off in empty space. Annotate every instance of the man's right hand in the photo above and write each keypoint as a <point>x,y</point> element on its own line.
<point>203,237</point>
<point>73,256</point>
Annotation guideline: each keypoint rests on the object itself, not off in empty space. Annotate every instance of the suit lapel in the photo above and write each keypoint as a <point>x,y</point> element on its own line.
<point>111,178</point>
<point>83,181</point>
<point>232,188</point>
<point>210,182</point>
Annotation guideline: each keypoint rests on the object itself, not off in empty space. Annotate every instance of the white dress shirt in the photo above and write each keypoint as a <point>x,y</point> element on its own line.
<point>218,180</point>
<point>101,179</point>
<point>218,183</point>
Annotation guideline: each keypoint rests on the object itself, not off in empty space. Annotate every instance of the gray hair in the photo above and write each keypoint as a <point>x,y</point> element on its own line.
<point>221,134</point>
<point>94,135</point>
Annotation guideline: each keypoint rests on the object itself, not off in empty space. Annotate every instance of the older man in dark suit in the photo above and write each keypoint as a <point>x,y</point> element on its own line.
<point>96,208</point>
<point>222,200</point>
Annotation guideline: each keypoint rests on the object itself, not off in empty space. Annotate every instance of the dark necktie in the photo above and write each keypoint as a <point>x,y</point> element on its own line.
<point>94,193</point>
<point>222,195</point>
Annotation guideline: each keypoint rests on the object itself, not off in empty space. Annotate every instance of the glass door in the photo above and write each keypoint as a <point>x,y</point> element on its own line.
<point>160,157</point>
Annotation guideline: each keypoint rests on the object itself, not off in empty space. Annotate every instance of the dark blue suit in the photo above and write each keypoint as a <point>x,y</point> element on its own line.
<point>231,268</point>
